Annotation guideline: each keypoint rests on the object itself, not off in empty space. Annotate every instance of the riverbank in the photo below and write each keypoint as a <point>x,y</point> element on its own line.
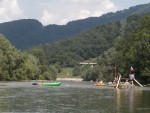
<point>69,79</point>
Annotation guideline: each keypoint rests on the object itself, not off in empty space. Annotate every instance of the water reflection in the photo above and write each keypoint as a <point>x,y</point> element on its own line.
<point>128,100</point>
<point>72,97</point>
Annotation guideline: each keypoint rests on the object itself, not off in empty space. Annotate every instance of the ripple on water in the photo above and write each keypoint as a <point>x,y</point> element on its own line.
<point>72,97</point>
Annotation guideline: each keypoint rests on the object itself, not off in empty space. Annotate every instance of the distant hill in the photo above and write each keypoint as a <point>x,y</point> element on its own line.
<point>26,33</point>
<point>87,45</point>
<point>90,44</point>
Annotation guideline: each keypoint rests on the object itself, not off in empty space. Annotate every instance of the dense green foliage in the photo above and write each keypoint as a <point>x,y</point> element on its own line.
<point>131,49</point>
<point>136,49</point>
<point>26,33</point>
<point>111,45</point>
<point>114,46</point>
<point>82,47</point>
<point>16,65</point>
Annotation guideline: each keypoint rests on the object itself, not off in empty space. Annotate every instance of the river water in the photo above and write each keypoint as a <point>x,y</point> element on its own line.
<point>72,97</point>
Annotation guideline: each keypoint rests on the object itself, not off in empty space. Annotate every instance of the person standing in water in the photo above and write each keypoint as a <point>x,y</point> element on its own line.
<point>132,75</point>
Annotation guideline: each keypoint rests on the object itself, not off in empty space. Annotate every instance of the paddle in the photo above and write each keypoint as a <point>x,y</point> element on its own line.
<point>118,82</point>
<point>137,82</point>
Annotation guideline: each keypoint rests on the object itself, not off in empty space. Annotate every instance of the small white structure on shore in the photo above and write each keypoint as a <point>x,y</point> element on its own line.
<point>86,63</point>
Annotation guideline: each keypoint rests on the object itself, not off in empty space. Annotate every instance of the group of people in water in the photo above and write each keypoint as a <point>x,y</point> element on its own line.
<point>128,82</point>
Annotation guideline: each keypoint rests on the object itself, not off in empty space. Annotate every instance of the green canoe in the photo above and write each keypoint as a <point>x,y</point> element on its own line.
<point>51,84</point>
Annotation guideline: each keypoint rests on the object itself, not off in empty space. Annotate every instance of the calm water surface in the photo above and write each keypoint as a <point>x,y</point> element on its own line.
<point>72,97</point>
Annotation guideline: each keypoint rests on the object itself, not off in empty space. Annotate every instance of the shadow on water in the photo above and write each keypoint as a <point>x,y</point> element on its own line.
<point>72,97</point>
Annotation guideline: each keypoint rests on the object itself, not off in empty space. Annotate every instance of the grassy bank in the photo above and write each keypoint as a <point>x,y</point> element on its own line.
<point>66,73</point>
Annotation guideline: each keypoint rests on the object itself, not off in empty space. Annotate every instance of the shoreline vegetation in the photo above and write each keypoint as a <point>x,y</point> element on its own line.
<point>114,47</point>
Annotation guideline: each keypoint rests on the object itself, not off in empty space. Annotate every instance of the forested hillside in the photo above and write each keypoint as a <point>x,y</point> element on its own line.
<point>134,48</point>
<point>114,44</point>
<point>26,33</point>
<point>82,47</point>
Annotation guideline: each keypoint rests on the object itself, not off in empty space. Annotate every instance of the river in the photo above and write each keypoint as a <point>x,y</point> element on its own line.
<point>72,97</point>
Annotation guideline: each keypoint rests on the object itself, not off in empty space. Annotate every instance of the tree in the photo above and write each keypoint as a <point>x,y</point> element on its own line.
<point>17,65</point>
<point>76,71</point>
<point>90,75</point>
<point>135,50</point>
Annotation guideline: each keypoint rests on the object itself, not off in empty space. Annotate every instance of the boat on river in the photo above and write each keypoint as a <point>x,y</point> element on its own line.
<point>100,84</point>
<point>51,83</point>
<point>35,83</point>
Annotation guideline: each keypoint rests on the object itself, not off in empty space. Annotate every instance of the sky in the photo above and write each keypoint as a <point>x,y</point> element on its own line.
<point>60,11</point>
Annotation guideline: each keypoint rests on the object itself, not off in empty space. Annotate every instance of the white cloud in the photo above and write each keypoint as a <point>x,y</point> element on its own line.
<point>78,1</point>
<point>100,7</point>
<point>97,13</point>
<point>64,21</point>
<point>54,12</point>
<point>10,10</point>
<point>47,17</point>
<point>59,11</point>
<point>83,14</point>
<point>92,8</point>
<point>108,5</point>
<point>3,13</point>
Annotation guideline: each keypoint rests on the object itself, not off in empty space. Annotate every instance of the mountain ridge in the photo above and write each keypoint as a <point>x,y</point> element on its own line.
<point>26,33</point>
